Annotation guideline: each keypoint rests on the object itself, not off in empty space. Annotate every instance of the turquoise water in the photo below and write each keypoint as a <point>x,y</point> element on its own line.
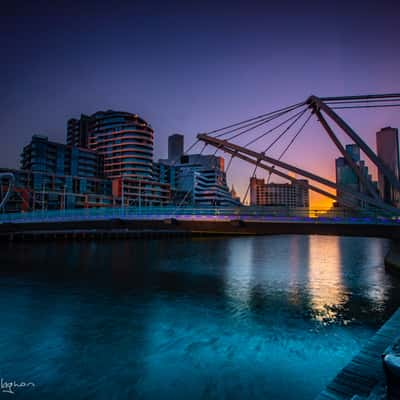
<point>227,318</point>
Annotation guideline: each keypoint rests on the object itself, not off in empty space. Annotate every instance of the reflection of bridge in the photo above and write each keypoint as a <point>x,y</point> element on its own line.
<point>284,120</point>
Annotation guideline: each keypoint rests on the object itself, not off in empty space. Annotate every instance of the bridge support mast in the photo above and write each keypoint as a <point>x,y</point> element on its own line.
<point>318,104</point>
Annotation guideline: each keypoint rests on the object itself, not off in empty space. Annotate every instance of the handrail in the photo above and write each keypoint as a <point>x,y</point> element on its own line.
<point>163,212</point>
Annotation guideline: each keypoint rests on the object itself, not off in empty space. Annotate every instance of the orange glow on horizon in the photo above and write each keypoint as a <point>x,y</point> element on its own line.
<point>319,202</point>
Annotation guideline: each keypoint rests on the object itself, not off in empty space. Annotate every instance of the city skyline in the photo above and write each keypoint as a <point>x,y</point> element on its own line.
<point>70,140</point>
<point>193,69</point>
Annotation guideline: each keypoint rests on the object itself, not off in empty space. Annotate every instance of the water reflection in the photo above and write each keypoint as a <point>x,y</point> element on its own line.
<point>325,282</point>
<point>376,282</point>
<point>211,318</point>
<point>239,273</point>
<point>298,260</point>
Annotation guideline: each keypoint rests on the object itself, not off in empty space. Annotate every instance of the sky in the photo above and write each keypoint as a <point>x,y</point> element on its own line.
<point>192,67</point>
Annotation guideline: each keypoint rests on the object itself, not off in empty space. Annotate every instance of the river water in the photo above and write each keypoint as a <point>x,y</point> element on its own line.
<point>222,318</point>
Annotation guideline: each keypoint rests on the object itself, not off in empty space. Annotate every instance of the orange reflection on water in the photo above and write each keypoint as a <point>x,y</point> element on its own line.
<point>295,256</point>
<point>325,284</point>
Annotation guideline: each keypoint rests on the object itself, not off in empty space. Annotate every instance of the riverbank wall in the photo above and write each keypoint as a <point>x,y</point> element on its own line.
<point>133,228</point>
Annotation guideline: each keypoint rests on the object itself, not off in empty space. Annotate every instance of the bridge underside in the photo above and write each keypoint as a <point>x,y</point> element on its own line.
<point>138,228</point>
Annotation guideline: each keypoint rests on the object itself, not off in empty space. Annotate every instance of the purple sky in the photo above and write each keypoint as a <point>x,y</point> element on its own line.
<point>193,68</point>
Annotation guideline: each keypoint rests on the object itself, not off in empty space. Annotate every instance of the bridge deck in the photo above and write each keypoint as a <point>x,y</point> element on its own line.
<point>366,369</point>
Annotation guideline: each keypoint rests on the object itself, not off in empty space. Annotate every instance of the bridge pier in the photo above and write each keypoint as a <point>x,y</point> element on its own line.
<point>392,258</point>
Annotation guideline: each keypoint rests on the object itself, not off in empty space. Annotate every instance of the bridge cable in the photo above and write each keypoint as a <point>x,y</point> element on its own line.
<point>290,144</point>
<point>201,151</point>
<point>252,126</point>
<point>360,101</point>
<point>216,151</point>
<point>256,124</point>
<point>191,146</point>
<point>248,186</point>
<point>284,132</point>
<point>288,108</point>
<point>366,106</point>
<point>273,128</point>
<point>296,117</point>
<point>229,163</point>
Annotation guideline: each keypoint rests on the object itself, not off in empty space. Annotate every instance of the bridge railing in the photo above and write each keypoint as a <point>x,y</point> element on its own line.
<point>220,213</point>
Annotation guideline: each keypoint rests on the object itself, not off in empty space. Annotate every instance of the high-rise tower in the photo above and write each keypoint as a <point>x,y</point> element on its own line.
<point>387,143</point>
<point>175,147</point>
<point>126,142</point>
<point>77,131</point>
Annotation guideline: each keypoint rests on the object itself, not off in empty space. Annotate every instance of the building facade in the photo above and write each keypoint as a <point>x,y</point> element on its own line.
<point>347,179</point>
<point>387,143</point>
<point>141,192</point>
<point>38,190</point>
<point>42,155</point>
<point>78,131</point>
<point>289,195</point>
<point>126,142</point>
<point>197,180</point>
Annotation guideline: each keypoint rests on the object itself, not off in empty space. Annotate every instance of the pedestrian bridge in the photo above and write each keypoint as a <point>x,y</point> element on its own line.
<point>129,222</point>
<point>260,214</point>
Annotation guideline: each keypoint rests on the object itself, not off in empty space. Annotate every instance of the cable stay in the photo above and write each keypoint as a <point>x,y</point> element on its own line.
<point>258,123</point>
<point>284,132</point>
<point>321,107</point>
<point>284,109</point>
<point>273,128</point>
<point>290,143</point>
<point>367,106</point>
<point>377,101</point>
